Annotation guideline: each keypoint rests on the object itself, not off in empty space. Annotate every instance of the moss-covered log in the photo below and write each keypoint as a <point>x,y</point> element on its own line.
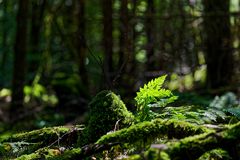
<point>28,142</point>
<point>193,147</point>
<point>46,135</point>
<point>146,131</point>
<point>52,154</point>
<point>151,154</point>
<point>58,153</point>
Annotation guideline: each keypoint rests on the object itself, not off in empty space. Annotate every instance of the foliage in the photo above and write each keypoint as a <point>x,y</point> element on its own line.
<point>201,132</point>
<point>217,111</point>
<point>152,96</point>
<point>227,103</point>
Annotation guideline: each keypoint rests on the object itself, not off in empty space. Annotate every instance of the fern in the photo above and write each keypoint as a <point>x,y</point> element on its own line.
<point>221,109</point>
<point>234,111</point>
<point>152,95</point>
<point>227,103</point>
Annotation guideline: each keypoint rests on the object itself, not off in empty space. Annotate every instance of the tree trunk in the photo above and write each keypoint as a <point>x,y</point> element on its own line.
<point>81,41</point>
<point>4,38</point>
<point>108,39</point>
<point>38,8</point>
<point>150,31</point>
<point>124,33</point>
<point>20,49</point>
<point>219,57</point>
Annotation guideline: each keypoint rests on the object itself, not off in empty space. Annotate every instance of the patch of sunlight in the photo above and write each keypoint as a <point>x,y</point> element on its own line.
<point>201,58</point>
<point>173,83</point>
<point>234,6</point>
<point>201,74</point>
<point>5,92</point>
<point>142,6</point>
<point>188,81</point>
<point>141,56</point>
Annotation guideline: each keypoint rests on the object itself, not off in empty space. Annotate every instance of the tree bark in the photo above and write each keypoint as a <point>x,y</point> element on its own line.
<point>124,33</point>
<point>219,57</point>
<point>4,38</point>
<point>150,31</point>
<point>20,49</point>
<point>107,9</point>
<point>81,41</point>
<point>38,8</point>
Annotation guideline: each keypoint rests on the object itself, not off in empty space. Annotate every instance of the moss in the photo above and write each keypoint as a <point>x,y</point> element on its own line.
<point>219,154</point>
<point>52,154</point>
<point>106,111</point>
<point>193,147</point>
<point>70,154</point>
<point>32,156</point>
<point>146,131</point>
<point>17,148</point>
<point>28,142</point>
<point>233,131</point>
<point>42,153</point>
<point>155,154</point>
<point>46,135</point>
<point>151,154</point>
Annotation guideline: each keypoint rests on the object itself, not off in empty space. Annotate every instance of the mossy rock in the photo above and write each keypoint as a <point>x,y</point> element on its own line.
<point>107,111</point>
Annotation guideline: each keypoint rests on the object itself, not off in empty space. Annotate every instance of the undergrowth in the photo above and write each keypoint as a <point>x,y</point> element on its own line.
<point>156,131</point>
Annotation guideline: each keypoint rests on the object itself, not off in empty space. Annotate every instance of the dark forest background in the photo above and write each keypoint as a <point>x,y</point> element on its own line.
<point>56,54</point>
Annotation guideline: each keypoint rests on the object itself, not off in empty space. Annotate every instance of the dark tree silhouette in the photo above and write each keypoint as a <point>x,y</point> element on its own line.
<point>219,57</point>
<point>20,50</point>
<point>124,33</point>
<point>107,9</point>
<point>81,41</point>
<point>150,31</point>
<point>38,9</point>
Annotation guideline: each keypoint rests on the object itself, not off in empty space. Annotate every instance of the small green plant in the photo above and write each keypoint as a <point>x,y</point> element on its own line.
<point>152,97</point>
<point>227,103</point>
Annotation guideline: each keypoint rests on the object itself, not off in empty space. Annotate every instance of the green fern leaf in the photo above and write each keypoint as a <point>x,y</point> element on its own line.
<point>152,95</point>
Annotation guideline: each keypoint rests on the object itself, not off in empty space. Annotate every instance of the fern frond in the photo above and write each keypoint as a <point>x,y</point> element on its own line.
<point>234,111</point>
<point>152,95</point>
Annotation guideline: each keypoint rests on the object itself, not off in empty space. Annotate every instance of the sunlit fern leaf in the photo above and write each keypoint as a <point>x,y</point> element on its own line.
<point>152,95</point>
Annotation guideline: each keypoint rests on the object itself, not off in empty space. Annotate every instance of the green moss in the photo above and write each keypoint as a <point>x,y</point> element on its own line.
<point>196,146</point>
<point>52,154</point>
<point>233,131</point>
<point>42,153</point>
<point>106,111</point>
<point>45,135</point>
<point>11,149</point>
<point>155,154</point>
<point>151,154</point>
<point>192,146</point>
<point>71,154</point>
<point>32,156</point>
<point>146,131</point>
<point>219,154</point>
